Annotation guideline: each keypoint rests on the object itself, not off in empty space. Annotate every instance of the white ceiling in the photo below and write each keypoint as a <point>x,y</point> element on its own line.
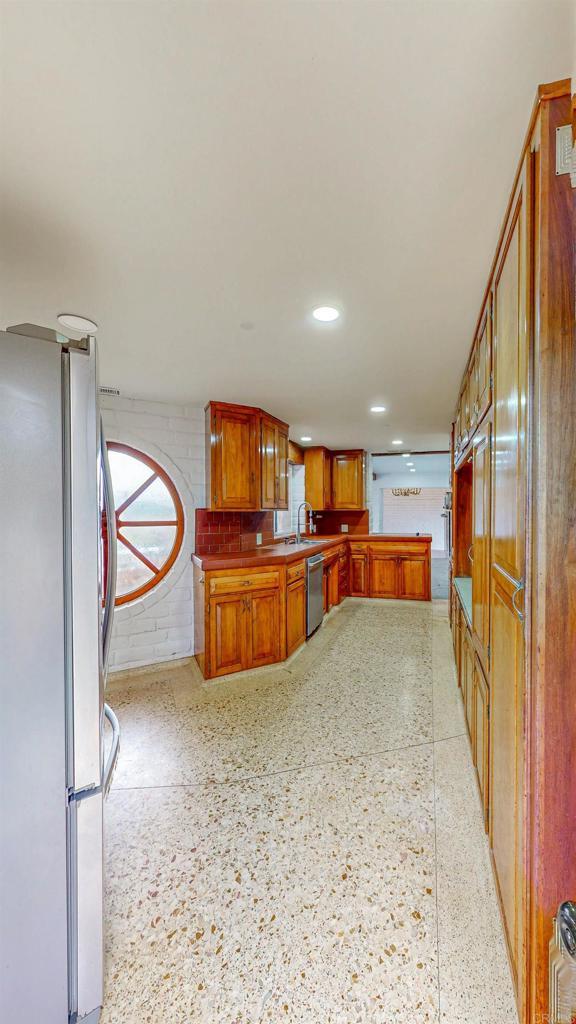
<point>198,176</point>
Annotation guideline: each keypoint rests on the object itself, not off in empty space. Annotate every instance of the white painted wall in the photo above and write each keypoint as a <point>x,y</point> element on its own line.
<point>160,625</point>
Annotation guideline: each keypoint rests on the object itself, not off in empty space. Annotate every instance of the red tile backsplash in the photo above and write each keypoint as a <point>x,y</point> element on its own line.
<point>231,531</point>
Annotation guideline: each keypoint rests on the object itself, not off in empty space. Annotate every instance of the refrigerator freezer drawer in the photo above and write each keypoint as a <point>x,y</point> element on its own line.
<point>86,931</point>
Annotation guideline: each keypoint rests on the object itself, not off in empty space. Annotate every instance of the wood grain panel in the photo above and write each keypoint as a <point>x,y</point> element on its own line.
<point>481,499</point>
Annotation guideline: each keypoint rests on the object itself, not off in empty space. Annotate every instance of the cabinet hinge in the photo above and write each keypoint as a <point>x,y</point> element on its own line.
<point>564,149</point>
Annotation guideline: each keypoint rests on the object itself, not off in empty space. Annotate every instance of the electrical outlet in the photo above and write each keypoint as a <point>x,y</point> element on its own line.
<point>258,538</point>
<point>343,527</point>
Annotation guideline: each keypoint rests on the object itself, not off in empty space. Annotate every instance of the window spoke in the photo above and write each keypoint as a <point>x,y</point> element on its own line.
<point>136,494</point>
<point>138,554</point>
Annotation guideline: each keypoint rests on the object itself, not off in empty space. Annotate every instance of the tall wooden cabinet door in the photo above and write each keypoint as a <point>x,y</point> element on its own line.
<point>510,366</point>
<point>281,468</point>
<point>383,575</point>
<point>484,366</point>
<point>268,434</point>
<point>264,628</point>
<point>481,541</point>
<point>413,578</point>
<point>235,459</point>
<point>481,734</point>
<point>473,391</point>
<point>228,634</point>
<point>348,480</point>
<point>358,575</point>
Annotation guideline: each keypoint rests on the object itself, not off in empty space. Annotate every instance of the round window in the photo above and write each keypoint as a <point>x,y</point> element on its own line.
<point>149,521</point>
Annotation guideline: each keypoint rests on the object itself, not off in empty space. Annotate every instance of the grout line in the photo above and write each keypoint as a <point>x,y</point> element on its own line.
<point>280,771</point>
<point>435,841</point>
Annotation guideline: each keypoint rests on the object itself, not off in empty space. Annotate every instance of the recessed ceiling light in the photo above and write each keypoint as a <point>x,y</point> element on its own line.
<point>326,314</point>
<point>406,455</point>
<point>412,470</point>
<point>306,438</point>
<point>397,442</point>
<point>377,408</point>
<point>77,323</point>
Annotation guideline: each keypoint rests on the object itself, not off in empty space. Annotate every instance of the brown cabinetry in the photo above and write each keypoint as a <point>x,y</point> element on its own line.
<point>401,575</point>
<point>335,479</point>
<point>481,730</point>
<point>232,460</point>
<point>244,622</point>
<point>348,471</point>
<point>246,459</point>
<point>274,463</point>
<point>295,608</point>
<point>481,489</point>
<point>358,570</point>
<point>318,478</point>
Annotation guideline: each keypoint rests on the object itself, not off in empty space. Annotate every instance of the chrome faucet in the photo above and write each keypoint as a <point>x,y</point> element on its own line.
<point>304,504</point>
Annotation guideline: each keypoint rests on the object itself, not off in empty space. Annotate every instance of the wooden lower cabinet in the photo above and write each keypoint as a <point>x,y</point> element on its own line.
<point>400,576</point>
<point>414,578</point>
<point>244,622</point>
<point>481,747</point>
<point>383,575</point>
<point>263,619</point>
<point>228,634</point>
<point>295,615</point>
<point>467,677</point>
<point>358,574</point>
<point>476,699</point>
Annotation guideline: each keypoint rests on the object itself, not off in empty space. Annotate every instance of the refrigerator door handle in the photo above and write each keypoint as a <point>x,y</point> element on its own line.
<point>110,596</point>
<point>113,755</point>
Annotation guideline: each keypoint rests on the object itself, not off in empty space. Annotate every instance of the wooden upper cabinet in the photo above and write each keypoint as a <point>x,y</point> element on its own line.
<point>348,471</point>
<point>481,461</point>
<point>318,477</point>
<point>232,478</point>
<point>483,362</point>
<point>282,445</point>
<point>246,458</point>
<point>273,463</point>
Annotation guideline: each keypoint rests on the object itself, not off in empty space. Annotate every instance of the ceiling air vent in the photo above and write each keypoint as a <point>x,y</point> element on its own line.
<point>109,391</point>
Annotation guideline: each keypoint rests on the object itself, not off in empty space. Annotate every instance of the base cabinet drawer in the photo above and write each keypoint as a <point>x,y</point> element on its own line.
<point>241,583</point>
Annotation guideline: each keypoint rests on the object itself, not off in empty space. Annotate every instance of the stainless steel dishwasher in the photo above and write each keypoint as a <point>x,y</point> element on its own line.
<point>314,592</point>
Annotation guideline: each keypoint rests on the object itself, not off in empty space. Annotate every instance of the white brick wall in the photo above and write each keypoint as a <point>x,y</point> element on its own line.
<point>160,625</point>
<point>417,513</point>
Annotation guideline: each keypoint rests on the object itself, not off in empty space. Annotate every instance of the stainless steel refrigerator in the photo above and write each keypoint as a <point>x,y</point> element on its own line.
<point>55,627</point>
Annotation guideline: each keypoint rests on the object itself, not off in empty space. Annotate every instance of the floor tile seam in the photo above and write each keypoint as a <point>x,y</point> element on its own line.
<point>438,981</point>
<point>280,771</point>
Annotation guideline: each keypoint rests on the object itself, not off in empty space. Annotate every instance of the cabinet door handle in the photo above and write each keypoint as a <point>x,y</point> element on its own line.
<point>519,588</point>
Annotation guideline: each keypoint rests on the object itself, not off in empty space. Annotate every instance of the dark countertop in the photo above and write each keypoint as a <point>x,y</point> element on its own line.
<point>284,554</point>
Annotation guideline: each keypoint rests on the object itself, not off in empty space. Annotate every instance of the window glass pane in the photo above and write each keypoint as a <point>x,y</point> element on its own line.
<point>127,475</point>
<point>154,503</point>
<point>131,573</point>
<point>155,542</point>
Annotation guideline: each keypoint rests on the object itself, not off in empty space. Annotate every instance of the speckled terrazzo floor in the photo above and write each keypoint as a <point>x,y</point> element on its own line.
<point>303,843</point>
